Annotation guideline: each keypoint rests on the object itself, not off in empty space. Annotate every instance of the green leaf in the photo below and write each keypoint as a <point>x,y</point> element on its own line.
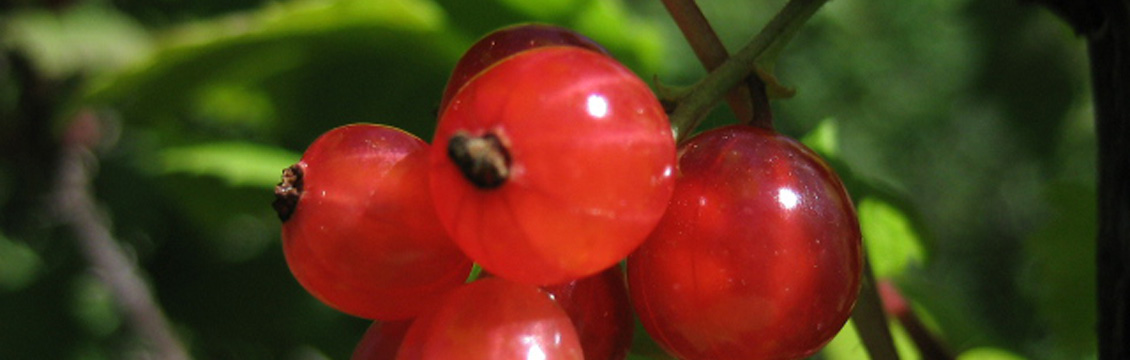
<point>289,71</point>
<point>86,37</point>
<point>824,138</point>
<point>19,265</point>
<point>847,344</point>
<point>892,243</point>
<point>988,353</point>
<point>236,163</point>
<point>635,41</point>
<point>544,9</point>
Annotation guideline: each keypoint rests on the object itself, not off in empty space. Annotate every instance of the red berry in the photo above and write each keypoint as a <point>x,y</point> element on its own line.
<point>381,341</point>
<point>360,232</point>
<point>552,165</point>
<point>758,255</point>
<point>492,319</point>
<point>508,41</point>
<point>599,308</point>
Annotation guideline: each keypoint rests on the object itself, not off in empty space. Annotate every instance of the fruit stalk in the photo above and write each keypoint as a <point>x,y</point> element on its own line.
<point>749,101</point>
<point>708,92</point>
<point>869,319</point>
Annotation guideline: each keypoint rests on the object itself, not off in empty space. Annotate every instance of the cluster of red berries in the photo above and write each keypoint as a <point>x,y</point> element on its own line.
<point>551,164</point>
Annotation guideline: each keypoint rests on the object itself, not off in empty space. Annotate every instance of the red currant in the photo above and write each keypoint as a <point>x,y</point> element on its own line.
<point>600,310</point>
<point>493,318</point>
<point>508,41</point>
<point>758,255</point>
<point>360,231</point>
<point>552,165</point>
<point>381,341</point>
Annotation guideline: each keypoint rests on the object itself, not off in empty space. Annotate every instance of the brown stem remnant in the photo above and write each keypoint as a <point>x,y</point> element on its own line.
<point>483,160</point>
<point>288,191</point>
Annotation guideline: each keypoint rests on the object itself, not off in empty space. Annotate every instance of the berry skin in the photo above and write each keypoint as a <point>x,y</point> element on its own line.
<point>381,341</point>
<point>493,319</point>
<point>758,255</point>
<point>508,41</point>
<point>552,165</point>
<point>360,232</point>
<point>601,312</point>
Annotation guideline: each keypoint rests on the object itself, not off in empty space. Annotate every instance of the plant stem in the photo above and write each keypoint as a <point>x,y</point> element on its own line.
<point>76,206</point>
<point>1106,25</point>
<point>709,50</point>
<point>707,93</point>
<point>1109,51</point>
<point>869,319</point>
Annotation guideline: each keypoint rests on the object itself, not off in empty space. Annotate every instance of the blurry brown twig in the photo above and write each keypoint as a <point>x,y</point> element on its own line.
<point>75,206</point>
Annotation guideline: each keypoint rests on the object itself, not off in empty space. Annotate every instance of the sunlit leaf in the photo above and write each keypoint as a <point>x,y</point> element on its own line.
<point>610,23</point>
<point>891,241</point>
<point>988,353</point>
<point>823,139</point>
<point>232,105</point>
<point>545,9</point>
<point>86,37</point>
<point>310,16</point>
<point>291,70</point>
<point>237,163</point>
<point>847,344</point>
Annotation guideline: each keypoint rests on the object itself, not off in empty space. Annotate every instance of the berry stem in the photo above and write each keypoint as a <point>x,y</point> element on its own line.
<point>708,92</point>
<point>869,319</point>
<point>709,50</point>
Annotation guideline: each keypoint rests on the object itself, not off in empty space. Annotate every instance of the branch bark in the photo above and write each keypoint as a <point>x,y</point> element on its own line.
<point>75,205</point>
<point>1109,49</point>
<point>1106,25</point>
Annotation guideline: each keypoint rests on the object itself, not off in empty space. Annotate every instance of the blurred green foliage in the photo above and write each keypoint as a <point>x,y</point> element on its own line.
<point>963,130</point>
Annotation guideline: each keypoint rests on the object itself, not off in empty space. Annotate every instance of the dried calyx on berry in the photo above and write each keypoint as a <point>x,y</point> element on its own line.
<point>288,191</point>
<point>483,160</point>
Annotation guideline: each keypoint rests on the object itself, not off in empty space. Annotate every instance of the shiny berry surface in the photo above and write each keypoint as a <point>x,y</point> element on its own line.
<point>601,312</point>
<point>381,341</point>
<point>508,41</point>
<point>493,319</point>
<point>360,232</point>
<point>552,165</point>
<point>758,255</point>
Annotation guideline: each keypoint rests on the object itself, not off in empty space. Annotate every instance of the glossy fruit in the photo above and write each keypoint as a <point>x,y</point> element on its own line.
<point>359,231</point>
<point>493,319</point>
<point>758,256</point>
<point>381,341</point>
<point>508,41</point>
<point>599,308</point>
<point>552,165</point>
